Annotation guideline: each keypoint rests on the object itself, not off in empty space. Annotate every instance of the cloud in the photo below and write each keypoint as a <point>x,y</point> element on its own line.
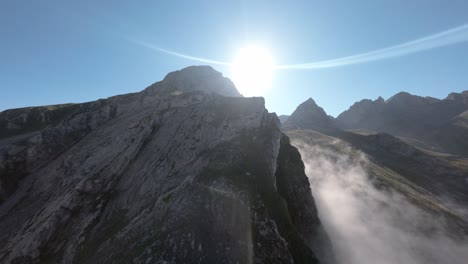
<point>180,55</point>
<point>445,38</point>
<point>371,226</point>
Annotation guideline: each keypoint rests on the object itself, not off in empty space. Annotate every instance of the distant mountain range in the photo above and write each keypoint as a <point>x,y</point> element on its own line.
<point>426,122</point>
<point>418,145</point>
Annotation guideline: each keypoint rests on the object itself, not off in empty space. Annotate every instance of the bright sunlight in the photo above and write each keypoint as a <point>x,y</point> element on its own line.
<point>252,71</point>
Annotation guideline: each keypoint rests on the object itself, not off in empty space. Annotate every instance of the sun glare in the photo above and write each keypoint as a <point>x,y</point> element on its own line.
<point>252,71</point>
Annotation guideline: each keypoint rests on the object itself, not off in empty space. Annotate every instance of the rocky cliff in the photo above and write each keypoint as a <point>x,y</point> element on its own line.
<point>185,171</point>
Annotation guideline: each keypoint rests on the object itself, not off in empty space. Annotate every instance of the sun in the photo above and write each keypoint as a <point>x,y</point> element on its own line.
<point>252,71</point>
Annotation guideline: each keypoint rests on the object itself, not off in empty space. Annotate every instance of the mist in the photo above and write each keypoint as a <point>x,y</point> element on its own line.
<point>370,225</point>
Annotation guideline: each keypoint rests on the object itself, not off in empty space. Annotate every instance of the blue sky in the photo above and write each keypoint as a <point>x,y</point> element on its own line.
<point>74,51</point>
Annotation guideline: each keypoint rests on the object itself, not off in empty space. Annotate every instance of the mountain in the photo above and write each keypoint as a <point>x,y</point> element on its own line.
<point>426,120</point>
<point>185,171</point>
<point>189,171</point>
<point>359,113</point>
<point>309,115</point>
<point>427,178</point>
<point>283,118</point>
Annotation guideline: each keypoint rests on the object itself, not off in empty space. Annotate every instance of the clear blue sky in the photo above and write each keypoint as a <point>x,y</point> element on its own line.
<point>74,51</point>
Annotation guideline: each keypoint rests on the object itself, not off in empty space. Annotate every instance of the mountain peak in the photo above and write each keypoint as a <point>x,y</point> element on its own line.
<point>192,71</point>
<point>401,96</point>
<point>310,106</point>
<point>197,78</point>
<point>309,115</point>
<point>380,100</point>
<point>309,101</point>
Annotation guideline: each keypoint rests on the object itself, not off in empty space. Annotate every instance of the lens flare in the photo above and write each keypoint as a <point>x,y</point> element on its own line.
<point>252,71</point>
<point>445,38</point>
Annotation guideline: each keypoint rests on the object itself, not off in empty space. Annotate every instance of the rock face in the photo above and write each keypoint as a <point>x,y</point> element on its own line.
<point>309,115</point>
<point>425,119</point>
<point>182,172</point>
<point>358,112</point>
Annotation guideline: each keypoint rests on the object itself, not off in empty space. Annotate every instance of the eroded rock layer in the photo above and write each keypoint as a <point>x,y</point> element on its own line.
<point>183,172</point>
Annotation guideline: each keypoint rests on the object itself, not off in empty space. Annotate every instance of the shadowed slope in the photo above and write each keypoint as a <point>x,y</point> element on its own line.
<point>175,173</point>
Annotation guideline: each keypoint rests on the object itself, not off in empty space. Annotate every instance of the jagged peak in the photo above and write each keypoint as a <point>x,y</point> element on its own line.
<point>309,105</point>
<point>309,101</point>
<point>309,115</point>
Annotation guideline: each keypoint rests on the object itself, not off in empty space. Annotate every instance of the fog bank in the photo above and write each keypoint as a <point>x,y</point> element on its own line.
<point>371,226</point>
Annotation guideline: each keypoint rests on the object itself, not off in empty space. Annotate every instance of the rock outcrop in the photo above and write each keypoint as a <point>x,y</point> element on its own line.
<point>185,171</point>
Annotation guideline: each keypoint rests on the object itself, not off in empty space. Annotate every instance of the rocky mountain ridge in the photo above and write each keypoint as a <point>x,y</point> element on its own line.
<point>401,163</point>
<point>184,171</point>
<point>425,122</point>
<point>426,119</point>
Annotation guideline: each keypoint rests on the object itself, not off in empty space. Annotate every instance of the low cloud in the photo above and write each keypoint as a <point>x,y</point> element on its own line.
<point>371,226</point>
